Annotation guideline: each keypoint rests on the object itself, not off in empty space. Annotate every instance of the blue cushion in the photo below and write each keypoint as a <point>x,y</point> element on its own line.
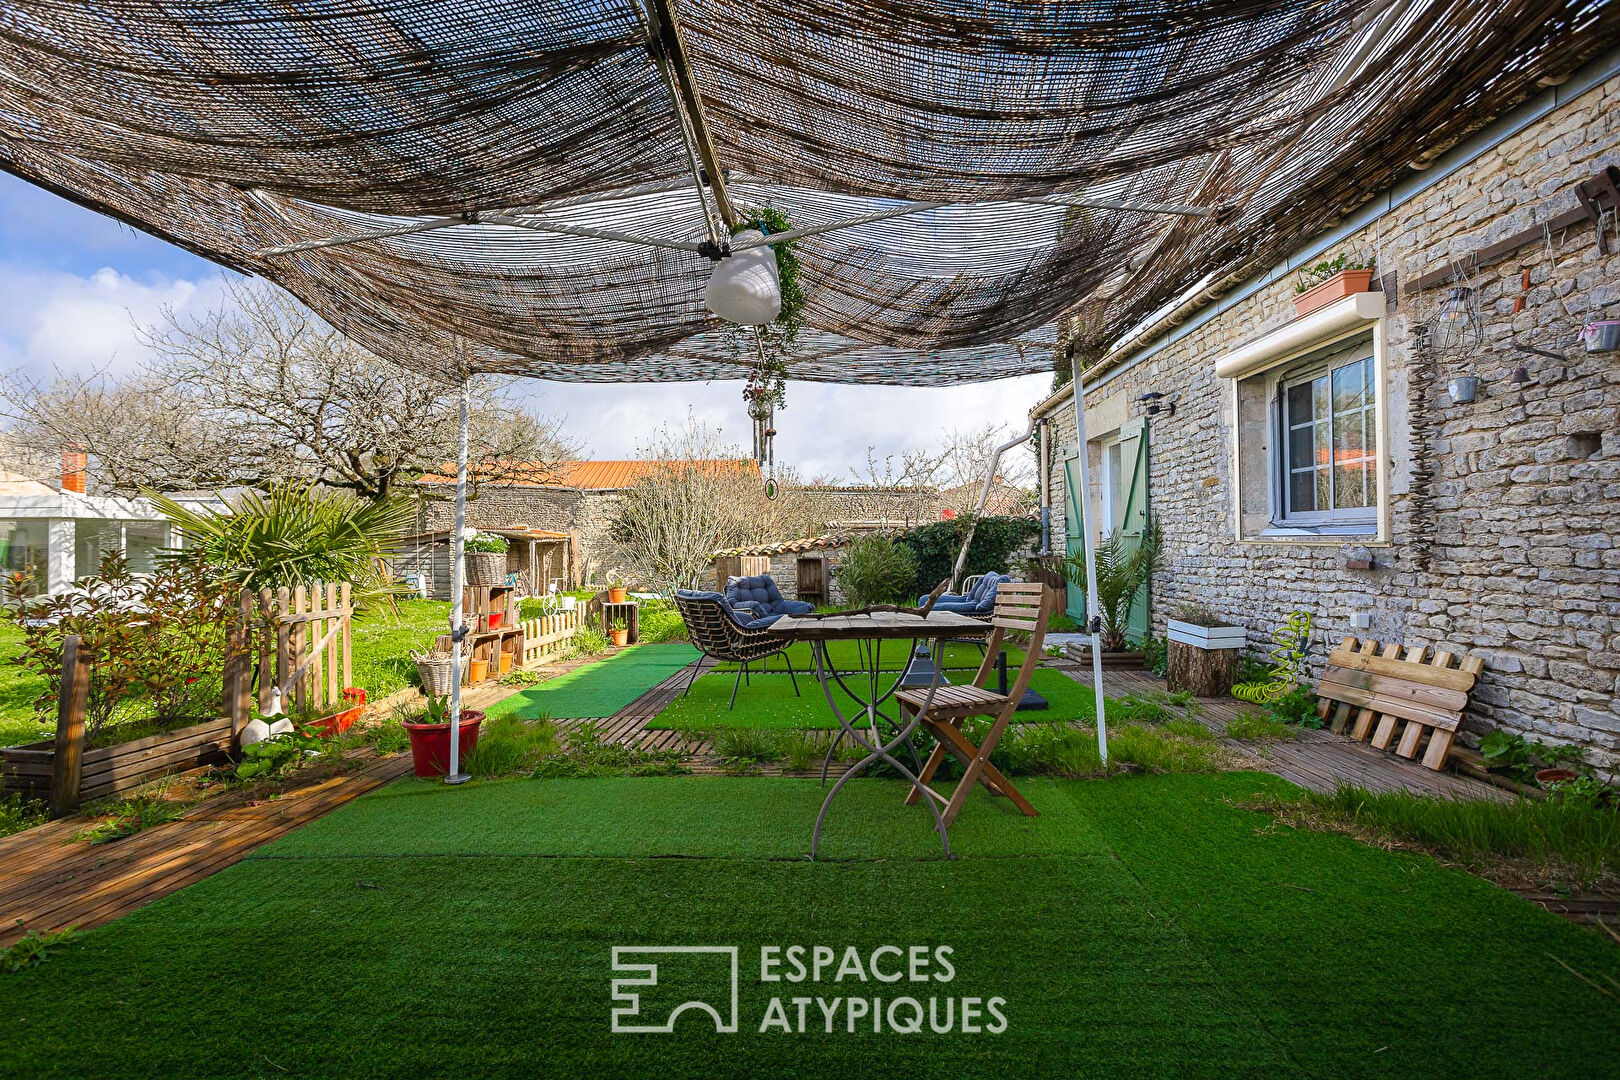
<point>959,606</point>
<point>746,614</point>
<point>762,590</point>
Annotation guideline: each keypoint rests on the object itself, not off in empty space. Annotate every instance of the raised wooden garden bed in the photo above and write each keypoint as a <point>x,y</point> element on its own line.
<point>1124,660</point>
<point>107,770</point>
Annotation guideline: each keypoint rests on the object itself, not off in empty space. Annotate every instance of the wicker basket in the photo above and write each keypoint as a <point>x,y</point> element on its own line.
<point>486,569</point>
<point>437,673</point>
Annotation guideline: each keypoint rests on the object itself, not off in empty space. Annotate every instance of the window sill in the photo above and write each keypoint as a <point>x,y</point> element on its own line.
<point>1285,533</point>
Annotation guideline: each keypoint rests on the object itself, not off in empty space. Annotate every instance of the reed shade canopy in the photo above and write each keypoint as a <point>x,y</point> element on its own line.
<point>549,170</point>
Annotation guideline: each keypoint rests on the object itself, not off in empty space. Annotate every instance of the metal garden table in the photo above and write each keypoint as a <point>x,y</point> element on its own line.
<point>870,632</point>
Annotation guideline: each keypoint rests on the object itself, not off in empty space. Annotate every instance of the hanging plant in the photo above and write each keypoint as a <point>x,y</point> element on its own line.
<point>767,349</point>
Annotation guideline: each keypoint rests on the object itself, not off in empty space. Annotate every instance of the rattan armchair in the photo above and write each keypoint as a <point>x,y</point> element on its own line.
<point>724,634</point>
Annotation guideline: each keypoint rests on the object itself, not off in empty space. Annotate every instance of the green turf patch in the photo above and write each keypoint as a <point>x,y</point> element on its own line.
<point>849,656</point>
<point>601,688</point>
<point>1362,962</point>
<point>762,818</point>
<point>768,701</point>
<point>1162,931</point>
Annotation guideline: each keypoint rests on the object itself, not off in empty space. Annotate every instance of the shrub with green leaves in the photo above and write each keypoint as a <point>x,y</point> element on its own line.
<point>293,535</point>
<point>877,570</point>
<point>935,546</point>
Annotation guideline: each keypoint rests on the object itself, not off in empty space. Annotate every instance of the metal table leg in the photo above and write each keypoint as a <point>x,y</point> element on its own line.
<point>878,750</point>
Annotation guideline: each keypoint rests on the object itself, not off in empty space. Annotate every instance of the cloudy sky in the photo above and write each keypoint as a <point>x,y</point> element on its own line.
<point>76,284</point>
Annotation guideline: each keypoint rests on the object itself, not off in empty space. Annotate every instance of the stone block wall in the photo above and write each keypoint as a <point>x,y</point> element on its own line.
<point>1503,513</point>
<point>587,514</point>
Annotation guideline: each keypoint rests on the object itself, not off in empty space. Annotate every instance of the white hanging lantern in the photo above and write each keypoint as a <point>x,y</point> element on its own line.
<point>745,287</point>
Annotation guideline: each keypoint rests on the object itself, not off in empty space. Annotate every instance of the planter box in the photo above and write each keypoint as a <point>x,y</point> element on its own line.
<point>108,770</point>
<point>1208,637</point>
<point>1344,283</point>
<point>1129,661</point>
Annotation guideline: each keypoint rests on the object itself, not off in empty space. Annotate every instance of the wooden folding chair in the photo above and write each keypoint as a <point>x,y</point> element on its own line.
<point>1019,606</point>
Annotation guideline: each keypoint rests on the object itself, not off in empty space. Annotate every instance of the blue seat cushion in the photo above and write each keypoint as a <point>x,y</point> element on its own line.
<point>762,593</point>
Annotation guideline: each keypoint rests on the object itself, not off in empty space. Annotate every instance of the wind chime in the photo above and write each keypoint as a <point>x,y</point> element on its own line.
<point>761,396</point>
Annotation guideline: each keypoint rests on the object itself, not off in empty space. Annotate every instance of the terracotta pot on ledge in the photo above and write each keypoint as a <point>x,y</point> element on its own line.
<point>1344,283</point>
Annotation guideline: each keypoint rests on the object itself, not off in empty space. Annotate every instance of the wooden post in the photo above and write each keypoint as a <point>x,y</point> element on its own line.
<point>239,671</point>
<point>334,683</point>
<point>68,761</point>
<point>284,660</point>
<point>348,629</point>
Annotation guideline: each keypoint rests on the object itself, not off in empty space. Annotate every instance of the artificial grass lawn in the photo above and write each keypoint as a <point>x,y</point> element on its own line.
<point>768,701</point>
<point>1142,926</point>
<point>601,688</point>
<point>846,656</point>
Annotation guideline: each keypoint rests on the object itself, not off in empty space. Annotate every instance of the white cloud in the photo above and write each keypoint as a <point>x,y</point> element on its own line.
<point>824,430</point>
<point>82,324</point>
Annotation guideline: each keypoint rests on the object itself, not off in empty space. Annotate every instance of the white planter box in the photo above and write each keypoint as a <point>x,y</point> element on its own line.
<point>1208,637</point>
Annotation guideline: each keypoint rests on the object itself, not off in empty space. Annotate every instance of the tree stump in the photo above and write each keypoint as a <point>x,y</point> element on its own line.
<point>1205,672</point>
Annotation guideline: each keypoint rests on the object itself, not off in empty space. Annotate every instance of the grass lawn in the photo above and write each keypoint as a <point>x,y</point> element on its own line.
<point>382,643</point>
<point>768,701</point>
<point>18,690</point>
<point>601,688</point>
<point>1140,927</point>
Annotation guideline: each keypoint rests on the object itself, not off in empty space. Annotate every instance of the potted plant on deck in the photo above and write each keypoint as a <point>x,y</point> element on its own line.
<point>1204,651</point>
<point>619,630</point>
<point>1124,565</point>
<point>485,559</point>
<point>1332,279</point>
<point>616,593</point>
<point>429,730</point>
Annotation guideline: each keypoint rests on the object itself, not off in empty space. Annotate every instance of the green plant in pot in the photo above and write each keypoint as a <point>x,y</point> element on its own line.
<point>1124,565</point>
<point>429,730</point>
<point>619,630</point>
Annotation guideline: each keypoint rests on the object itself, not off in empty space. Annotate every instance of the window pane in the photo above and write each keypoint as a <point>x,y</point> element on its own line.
<point>1302,491</point>
<point>1299,404</point>
<point>24,545</point>
<point>1324,477</point>
<point>1349,387</point>
<point>1350,488</point>
<point>1301,447</point>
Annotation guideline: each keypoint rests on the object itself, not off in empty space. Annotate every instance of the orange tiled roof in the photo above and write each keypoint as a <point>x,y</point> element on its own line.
<point>590,475</point>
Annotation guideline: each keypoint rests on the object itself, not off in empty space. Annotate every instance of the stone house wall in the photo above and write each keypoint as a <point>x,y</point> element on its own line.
<point>1502,513</point>
<point>586,514</point>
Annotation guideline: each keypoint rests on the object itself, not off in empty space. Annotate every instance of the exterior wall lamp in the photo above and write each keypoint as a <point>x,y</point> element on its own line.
<point>1157,403</point>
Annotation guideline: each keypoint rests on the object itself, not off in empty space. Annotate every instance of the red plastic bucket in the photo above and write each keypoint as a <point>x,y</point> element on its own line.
<point>430,743</point>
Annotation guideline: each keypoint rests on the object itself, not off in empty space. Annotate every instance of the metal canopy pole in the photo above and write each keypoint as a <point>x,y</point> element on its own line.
<point>458,576</point>
<point>1082,502</point>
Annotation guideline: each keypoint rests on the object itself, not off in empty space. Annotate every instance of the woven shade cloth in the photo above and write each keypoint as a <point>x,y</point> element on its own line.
<point>234,127</point>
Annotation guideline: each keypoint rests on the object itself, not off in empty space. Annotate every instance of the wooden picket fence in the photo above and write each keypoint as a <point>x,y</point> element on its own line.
<point>547,636</point>
<point>302,638</point>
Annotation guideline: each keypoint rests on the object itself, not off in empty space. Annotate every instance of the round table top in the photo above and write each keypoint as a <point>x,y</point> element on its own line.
<point>879,624</point>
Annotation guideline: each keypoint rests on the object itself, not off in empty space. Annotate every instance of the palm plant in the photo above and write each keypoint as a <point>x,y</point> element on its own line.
<point>1124,565</point>
<point>293,535</point>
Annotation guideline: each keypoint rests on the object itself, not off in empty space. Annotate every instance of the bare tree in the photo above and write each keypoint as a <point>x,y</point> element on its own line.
<point>701,496</point>
<point>957,466</point>
<point>261,390</point>
<point>908,469</point>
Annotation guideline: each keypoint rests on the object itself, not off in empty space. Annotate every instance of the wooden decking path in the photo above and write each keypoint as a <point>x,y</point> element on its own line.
<point>1318,760</point>
<point>48,881</point>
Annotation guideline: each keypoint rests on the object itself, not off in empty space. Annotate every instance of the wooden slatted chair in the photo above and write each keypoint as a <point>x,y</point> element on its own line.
<point>1019,606</point>
<point>1373,689</point>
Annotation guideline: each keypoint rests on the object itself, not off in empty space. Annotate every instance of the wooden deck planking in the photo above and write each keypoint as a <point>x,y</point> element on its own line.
<point>50,882</point>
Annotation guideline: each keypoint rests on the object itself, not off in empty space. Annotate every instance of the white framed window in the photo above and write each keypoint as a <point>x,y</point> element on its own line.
<point>1325,447</point>
<point>1309,424</point>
